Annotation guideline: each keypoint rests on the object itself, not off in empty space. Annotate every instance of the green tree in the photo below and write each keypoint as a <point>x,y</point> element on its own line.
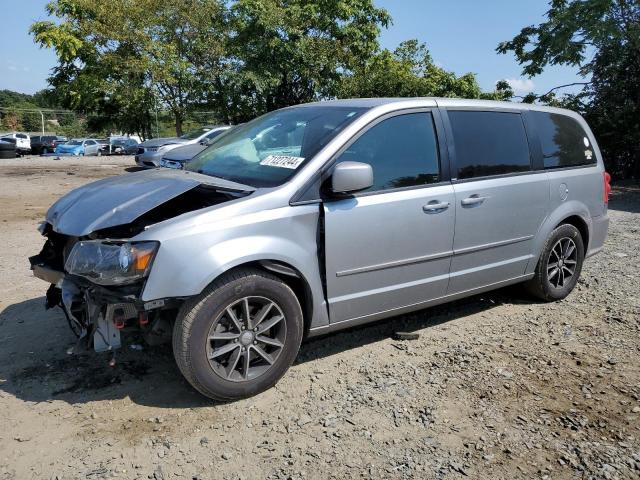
<point>19,111</point>
<point>289,52</point>
<point>109,49</point>
<point>602,38</point>
<point>409,71</point>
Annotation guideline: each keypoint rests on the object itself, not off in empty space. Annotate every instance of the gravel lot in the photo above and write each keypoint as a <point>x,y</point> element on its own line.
<point>496,386</point>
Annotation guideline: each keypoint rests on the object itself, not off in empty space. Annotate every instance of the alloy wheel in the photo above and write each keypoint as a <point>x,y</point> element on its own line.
<point>246,339</point>
<point>562,262</point>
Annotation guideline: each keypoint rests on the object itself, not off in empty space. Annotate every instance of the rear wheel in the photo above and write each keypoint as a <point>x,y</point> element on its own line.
<point>559,266</point>
<point>239,337</point>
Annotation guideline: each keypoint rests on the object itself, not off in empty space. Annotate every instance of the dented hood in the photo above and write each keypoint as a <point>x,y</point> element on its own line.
<point>120,200</point>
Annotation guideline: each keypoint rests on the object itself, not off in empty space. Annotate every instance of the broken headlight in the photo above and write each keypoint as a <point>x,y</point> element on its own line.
<point>111,263</point>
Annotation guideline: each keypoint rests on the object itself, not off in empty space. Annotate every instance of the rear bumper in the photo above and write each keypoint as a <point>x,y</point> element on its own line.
<point>599,230</point>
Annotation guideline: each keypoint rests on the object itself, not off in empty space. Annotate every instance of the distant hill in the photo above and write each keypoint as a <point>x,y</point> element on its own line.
<point>41,99</point>
<point>18,111</point>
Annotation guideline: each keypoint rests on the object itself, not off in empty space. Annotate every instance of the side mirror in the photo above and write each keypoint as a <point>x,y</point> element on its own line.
<point>351,177</point>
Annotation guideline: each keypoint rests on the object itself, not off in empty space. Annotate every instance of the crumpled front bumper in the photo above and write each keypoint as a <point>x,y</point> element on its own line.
<point>97,314</point>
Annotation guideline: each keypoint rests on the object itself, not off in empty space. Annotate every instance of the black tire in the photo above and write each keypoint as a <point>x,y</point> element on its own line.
<point>4,154</point>
<point>192,345</point>
<point>546,283</point>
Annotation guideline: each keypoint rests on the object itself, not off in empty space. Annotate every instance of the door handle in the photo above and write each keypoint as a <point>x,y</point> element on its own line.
<point>473,200</point>
<point>435,207</point>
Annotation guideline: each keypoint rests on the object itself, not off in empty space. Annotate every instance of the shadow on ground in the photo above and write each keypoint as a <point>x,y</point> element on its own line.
<point>625,197</point>
<point>35,367</point>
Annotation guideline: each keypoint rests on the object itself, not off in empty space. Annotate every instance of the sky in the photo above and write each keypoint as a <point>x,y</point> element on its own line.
<point>461,35</point>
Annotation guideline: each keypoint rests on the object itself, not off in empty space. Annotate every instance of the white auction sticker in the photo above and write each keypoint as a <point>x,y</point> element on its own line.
<point>282,161</point>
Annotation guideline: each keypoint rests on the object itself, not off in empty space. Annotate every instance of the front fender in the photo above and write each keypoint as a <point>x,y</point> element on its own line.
<point>186,264</point>
<point>565,210</point>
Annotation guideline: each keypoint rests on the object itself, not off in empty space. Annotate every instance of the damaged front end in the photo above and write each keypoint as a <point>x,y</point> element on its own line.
<point>98,271</point>
<point>98,285</point>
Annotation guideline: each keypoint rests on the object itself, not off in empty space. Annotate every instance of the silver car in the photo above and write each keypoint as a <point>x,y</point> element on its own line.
<point>178,157</point>
<point>150,152</point>
<point>320,217</point>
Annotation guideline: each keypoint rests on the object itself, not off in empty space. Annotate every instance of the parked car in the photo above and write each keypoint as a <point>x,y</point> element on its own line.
<point>121,146</point>
<point>79,146</point>
<point>23,142</point>
<point>8,148</point>
<point>43,144</point>
<point>324,216</point>
<point>179,156</point>
<point>103,145</point>
<point>150,152</point>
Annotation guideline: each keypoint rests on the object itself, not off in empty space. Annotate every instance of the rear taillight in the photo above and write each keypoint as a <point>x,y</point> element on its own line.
<point>606,179</point>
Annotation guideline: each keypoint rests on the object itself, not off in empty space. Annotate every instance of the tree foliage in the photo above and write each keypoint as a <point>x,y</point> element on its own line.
<point>296,51</point>
<point>19,111</point>
<point>409,71</point>
<point>602,38</point>
<point>241,58</point>
<point>115,50</point>
<point>121,59</point>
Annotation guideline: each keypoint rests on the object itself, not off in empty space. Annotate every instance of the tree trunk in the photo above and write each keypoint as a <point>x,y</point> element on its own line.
<point>179,118</point>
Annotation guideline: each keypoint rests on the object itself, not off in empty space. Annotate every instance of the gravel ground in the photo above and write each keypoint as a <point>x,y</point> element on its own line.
<point>496,386</point>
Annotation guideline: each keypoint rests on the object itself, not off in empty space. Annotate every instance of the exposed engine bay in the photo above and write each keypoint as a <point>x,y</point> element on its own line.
<point>98,307</point>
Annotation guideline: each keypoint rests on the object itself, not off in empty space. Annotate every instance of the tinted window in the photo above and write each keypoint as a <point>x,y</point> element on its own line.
<point>193,134</point>
<point>564,142</point>
<point>36,139</point>
<point>401,150</point>
<point>214,134</point>
<point>489,143</point>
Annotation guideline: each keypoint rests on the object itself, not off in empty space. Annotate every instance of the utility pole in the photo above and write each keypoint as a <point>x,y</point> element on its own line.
<point>155,101</point>
<point>42,116</point>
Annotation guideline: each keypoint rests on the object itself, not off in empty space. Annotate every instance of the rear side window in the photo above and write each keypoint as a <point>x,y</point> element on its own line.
<point>402,151</point>
<point>489,143</point>
<point>213,134</point>
<point>564,142</point>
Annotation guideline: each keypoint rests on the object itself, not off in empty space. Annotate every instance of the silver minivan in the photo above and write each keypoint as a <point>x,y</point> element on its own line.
<point>323,216</point>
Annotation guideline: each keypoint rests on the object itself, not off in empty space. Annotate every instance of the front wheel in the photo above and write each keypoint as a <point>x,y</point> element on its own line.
<point>559,266</point>
<point>238,337</point>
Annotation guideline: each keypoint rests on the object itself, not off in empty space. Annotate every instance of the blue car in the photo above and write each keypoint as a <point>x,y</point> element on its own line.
<point>79,146</point>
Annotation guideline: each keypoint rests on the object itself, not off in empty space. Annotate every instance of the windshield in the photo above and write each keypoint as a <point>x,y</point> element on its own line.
<point>74,142</point>
<point>193,134</point>
<point>267,151</point>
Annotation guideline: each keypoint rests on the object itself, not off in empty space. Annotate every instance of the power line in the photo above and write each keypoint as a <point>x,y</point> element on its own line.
<point>38,110</point>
